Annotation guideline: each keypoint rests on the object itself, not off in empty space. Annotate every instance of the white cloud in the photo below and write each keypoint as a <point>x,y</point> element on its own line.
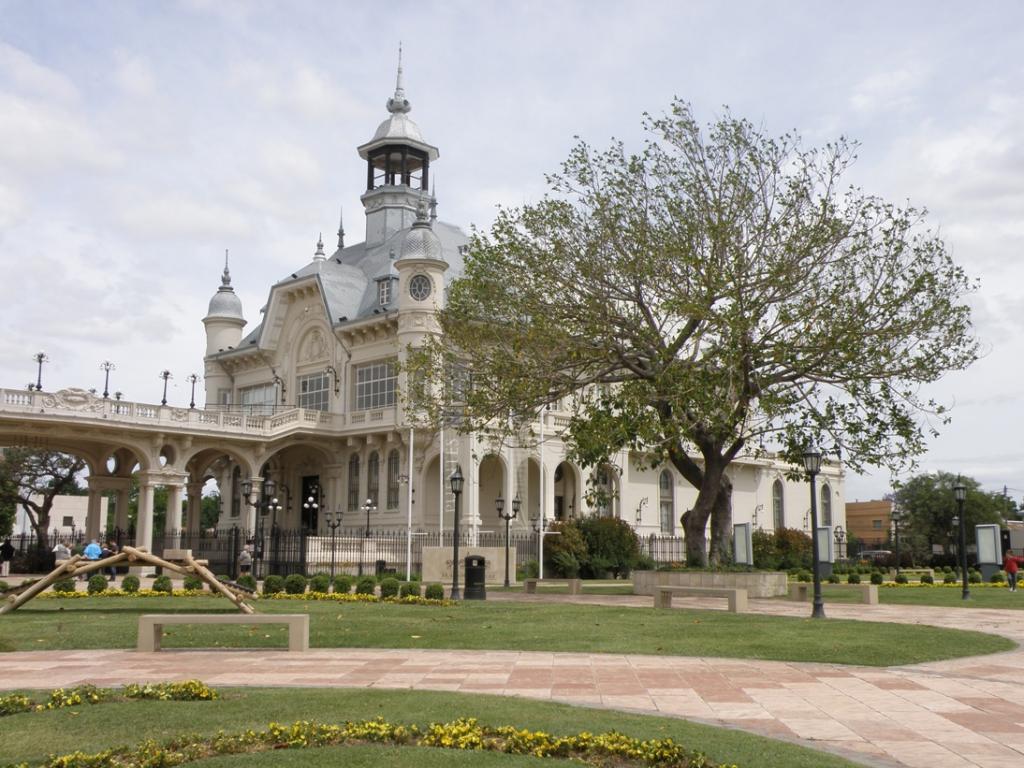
<point>162,215</point>
<point>12,208</point>
<point>893,89</point>
<point>134,74</point>
<point>20,73</point>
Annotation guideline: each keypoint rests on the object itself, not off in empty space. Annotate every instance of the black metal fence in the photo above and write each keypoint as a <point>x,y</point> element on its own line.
<point>285,551</point>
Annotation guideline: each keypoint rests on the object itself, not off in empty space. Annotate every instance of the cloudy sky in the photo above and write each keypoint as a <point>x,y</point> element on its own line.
<point>138,140</point>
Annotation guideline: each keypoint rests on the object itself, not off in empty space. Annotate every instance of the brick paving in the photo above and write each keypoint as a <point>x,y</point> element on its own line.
<point>966,712</point>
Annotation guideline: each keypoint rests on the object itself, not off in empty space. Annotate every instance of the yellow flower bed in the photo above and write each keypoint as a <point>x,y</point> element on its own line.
<point>600,749</point>
<point>50,594</point>
<point>953,585</point>
<point>59,698</point>
<point>343,597</point>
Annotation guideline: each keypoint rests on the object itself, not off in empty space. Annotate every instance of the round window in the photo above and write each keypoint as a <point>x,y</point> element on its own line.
<point>419,287</point>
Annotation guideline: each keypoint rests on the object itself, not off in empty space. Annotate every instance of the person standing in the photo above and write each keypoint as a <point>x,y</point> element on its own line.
<point>6,555</point>
<point>92,552</point>
<point>1011,565</point>
<point>245,560</point>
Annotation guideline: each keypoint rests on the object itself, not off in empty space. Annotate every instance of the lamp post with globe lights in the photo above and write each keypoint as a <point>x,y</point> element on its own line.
<point>106,366</point>
<point>165,375</point>
<point>960,494</point>
<point>517,504</point>
<point>457,482</point>
<point>812,463</point>
<point>40,357</point>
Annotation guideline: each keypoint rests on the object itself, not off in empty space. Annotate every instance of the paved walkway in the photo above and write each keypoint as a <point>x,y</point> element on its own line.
<point>968,712</point>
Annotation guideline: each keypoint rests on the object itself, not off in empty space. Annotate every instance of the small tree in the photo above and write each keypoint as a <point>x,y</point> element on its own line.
<point>33,479</point>
<point>612,545</point>
<point>719,293</point>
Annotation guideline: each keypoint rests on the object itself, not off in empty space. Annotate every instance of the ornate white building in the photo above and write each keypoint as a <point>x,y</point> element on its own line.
<point>309,398</point>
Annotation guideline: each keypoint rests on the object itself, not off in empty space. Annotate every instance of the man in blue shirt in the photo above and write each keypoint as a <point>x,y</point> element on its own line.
<point>93,551</point>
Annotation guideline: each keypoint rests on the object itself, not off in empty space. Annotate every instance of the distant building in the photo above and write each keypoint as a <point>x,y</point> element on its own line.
<point>869,522</point>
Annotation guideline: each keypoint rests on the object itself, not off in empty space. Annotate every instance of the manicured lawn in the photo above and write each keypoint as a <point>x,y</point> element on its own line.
<point>947,597</point>
<point>32,736</point>
<point>113,622</point>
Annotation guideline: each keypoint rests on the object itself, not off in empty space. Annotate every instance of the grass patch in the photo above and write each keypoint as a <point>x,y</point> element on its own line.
<point>32,737</point>
<point>939,596</point>
<point>113,623</point>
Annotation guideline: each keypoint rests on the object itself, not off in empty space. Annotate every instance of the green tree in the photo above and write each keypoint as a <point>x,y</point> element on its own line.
<point>33,479</point>
<point>719,293</point>
<point>926,507</point>
<point>210,511</point>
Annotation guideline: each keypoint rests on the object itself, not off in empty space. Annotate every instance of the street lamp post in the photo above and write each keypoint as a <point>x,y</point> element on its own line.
<point>896,537</point>
<point>457,481</point>
<point>960,494</point>
<point>812,463</point>
<point>333,522</point>
<point>192,378</point>
<point>40,358</point>
<point>165,375</point>
<point>106,366</point>
<point>517,504</point>
<point>368,507</point>
<point>840,536</point>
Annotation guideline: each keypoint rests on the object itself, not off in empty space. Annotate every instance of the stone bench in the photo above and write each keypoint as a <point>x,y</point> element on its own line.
<point>802,591</point>
<point>575,585</point>
<point>737,597</point>
<point>151,626</point>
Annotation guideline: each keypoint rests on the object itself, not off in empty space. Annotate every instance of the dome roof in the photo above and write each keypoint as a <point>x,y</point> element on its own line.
<point>225,304</point>
<point>420,241</point>
<point>399,127</point>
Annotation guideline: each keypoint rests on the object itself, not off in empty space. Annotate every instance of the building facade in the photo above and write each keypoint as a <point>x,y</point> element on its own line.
<point>309,398</point>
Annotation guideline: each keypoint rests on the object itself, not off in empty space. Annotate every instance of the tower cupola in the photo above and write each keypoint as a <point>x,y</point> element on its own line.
<point>224,320</point>
<point>397,168</point>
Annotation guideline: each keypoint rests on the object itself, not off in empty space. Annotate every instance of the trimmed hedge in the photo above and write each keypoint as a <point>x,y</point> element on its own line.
<point>320,582</point>
<point>295,584</point>
<point>434,592</point>
<point>343,583</point>
<point>273,584</point>
<point>130,584</point>
<point>367,585</point>
<point>163,584</point>
<point>389,587</point>
<point>97,583</point>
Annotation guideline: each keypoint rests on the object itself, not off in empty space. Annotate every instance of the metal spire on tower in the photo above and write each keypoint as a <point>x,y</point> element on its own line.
<point>398,102</point>
<point>341,229</point>
<point>319,255</point>
<point>225,279</point>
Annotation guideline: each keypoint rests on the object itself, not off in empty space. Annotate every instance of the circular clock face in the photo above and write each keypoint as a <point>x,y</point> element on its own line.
<point>419,287</point>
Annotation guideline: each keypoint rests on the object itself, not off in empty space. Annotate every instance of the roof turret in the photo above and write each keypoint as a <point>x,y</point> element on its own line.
<point>420,241</point>
<point>225,303</point>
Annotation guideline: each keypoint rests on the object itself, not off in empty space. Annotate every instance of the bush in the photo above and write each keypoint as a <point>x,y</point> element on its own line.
<point>4,586</point>
<point>272,585</point>
<point>193,582</point>
<point>998,578</point>
<point>366,585</point>
<point>389,587</point>
<point>804,576</point>
<point>876,577</point>
<point>409,589</point>
<point>162,584</point>
<point>834,578</point>
<point>434,592</point>
<point>901,579</point>
<point>67,584</point>
<point>612,545</point>
<point>974,577</point>
<point>97,583</point>
<point>343,584</point>
<point>130,584</point>
<point>566,553</point>
<point>248,581</point>
<point>320,582</point>
<point>295,584</point>
<point>853,578</point>
<point>950,578</point>
<point>782,550</point>
<point>927,578</point>
<point>530,569</point>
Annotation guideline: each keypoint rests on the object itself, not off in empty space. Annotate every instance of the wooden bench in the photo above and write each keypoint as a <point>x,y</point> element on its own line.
<point>737,597</point>
<point>575,585</point>
<point>802,590</point>
<point>151,626</point>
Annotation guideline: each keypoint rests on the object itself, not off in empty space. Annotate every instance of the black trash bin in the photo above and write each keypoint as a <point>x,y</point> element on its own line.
<point>476,572</point>
<point>381,567</point>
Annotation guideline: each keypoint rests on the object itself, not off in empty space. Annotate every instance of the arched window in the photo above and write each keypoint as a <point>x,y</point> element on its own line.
<point>373,478</point>
<point>393,480</point>
<point>353,482</point>
<point>668,507</point>
<point>826,505</point>
<point>778,508</point>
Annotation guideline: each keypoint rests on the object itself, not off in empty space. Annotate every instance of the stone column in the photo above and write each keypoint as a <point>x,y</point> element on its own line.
<point>121,508</point>
<point>248,510</point>
<point>195,507</point>
<point>144,521</point>
<point>172,523</point>
<point>92,517</point>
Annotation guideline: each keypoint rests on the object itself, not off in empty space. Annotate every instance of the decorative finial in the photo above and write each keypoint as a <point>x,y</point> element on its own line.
<point>320,255</point>
<point>225,279</point>
<point>433,200</point>
<point>398,102</point>
<point>341,229</point>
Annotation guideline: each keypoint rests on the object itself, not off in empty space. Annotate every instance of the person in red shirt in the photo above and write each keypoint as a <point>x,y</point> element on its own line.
<point>1010,565</point>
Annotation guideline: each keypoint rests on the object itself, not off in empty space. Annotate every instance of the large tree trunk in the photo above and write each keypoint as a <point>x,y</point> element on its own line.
<point>721,523</point>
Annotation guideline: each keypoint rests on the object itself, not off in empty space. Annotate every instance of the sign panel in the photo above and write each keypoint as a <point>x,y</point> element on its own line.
<point>825,551</point>
<point>989,549</point>
<point>743,545</point>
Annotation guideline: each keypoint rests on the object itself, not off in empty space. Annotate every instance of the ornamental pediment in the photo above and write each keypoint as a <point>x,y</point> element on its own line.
<point>74,399</point>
